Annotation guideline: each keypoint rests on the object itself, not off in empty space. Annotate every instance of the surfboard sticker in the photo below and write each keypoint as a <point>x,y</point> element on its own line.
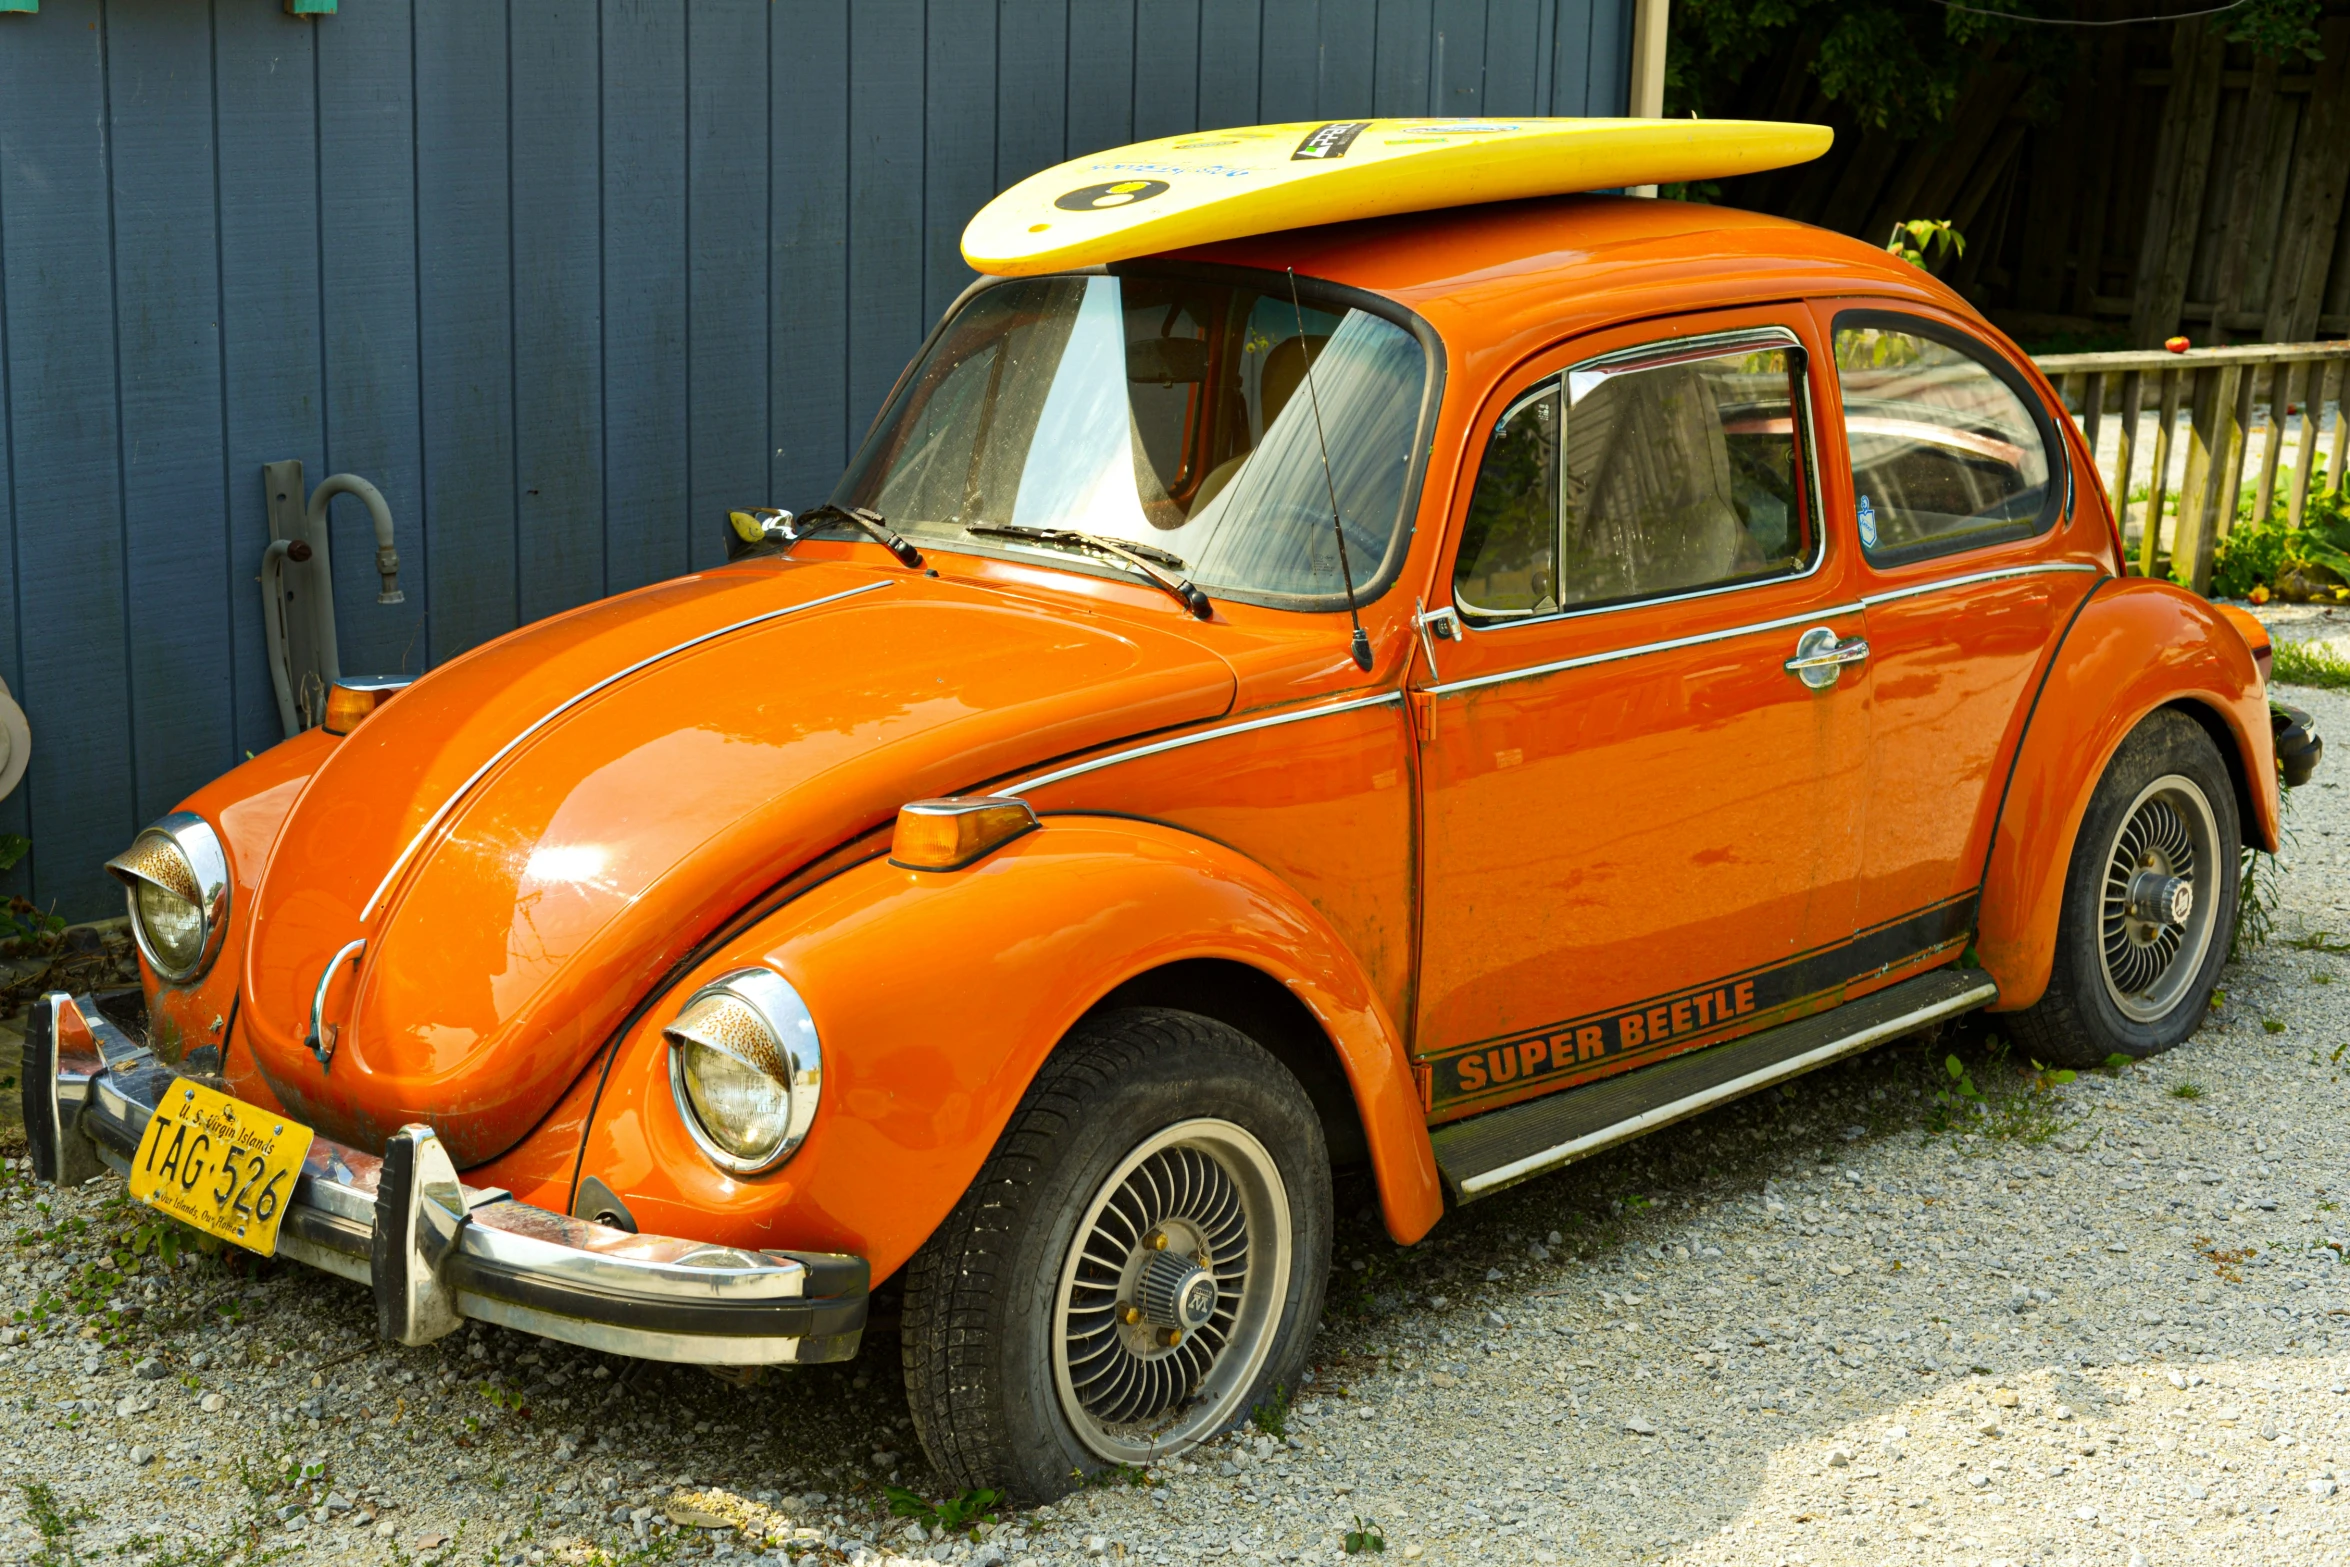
<point>1205,186</point>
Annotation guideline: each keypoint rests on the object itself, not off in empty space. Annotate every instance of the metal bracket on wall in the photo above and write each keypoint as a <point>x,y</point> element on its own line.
<point>297,586</point>
<point>32,5</point>
<point>310,7</point>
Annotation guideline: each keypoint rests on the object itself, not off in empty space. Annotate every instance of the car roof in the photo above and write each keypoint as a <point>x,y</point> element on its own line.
<point>1489,276</point>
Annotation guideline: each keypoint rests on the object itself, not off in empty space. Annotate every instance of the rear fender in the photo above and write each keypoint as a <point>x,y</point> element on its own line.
<point>2137,644</point>
<point>936,997</point>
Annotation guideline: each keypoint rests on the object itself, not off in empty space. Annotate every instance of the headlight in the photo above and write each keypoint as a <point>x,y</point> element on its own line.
<point>176,875</point>
<point>746,1069</point>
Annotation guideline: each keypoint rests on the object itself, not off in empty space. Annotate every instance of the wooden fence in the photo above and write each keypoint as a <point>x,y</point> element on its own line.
<point>2157,180</point>
<point>2226,394</point>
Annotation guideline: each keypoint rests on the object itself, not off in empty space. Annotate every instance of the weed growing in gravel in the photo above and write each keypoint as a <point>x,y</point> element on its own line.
<point>2273,1025</point>
<point>956,1515</point>
<point>1272,1416</point>
<point>2228,1264</point>
<point>2260,894</point>
<point>2016,1103</point>
<point>1366,1535</point>
<point>56,1524</point>
<point>2320,941</point>
<point>2308,664</point>
<point>2186,1090</point>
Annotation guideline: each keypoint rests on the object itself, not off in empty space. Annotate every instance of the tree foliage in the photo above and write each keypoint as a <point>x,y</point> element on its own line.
<point>1900,65</point>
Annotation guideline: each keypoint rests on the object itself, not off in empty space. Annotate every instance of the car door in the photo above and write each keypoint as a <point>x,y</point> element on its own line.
<point>1641,826</point>
<point>1951,474</point>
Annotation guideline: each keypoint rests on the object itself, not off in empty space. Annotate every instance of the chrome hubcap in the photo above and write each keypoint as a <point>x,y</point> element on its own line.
<point>1171,1293</point>
<point>2160,887</point>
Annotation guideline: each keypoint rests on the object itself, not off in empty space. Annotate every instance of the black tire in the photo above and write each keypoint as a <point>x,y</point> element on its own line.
<point>2093,1009</point>
<point>982,1293</point>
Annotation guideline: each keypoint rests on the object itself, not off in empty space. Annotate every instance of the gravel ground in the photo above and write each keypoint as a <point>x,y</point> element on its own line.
<point>2098,1322</point>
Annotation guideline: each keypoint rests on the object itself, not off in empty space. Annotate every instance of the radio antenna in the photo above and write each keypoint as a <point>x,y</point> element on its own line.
<point>1360,647</point>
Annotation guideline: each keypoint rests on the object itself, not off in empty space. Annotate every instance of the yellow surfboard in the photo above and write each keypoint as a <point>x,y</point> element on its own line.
<point>1212,185</point>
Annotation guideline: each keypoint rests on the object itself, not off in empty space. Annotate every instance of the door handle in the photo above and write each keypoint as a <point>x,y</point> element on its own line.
<point>1820,656</point>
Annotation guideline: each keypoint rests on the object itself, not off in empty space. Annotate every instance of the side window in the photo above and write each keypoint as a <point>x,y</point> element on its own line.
<point>1638,476</point>
<point>1947,451</point>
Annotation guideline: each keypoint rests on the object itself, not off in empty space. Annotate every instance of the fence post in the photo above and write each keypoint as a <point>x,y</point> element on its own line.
<point>2239,450</point>
<point>2340,380</point>
<point>2316,379</point>
<point>2132,393</point>
<point>2092,411</point>
<point>2158,488</point>
<point>2284,385</point>
<point>2209,417</point>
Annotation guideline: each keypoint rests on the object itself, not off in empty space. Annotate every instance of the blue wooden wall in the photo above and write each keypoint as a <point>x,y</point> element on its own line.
<point>565,278</point>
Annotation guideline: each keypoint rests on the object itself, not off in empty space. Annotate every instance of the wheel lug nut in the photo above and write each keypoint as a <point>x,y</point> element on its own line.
<point>1158,1240</point>
<point>1170,1337</point>
<point>1129,1314</point>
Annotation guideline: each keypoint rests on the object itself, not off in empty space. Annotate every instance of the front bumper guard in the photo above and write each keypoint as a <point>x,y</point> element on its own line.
<point>436,1252</point>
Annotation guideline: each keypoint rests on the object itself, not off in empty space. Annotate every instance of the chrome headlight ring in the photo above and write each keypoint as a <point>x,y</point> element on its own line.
<point>754,1017</point>
<point>181,857</point>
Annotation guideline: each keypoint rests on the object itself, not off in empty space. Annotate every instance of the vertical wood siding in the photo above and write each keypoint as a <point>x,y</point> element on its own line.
<point>566,279</point>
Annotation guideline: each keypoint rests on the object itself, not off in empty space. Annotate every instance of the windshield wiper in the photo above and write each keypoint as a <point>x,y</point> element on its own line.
<point>871,522</point>
<point>1144,558</point>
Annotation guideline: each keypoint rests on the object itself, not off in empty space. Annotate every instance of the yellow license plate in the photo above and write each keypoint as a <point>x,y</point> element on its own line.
<point>222,1165</point>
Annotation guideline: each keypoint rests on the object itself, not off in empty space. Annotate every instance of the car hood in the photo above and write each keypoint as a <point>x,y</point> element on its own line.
<point>529,838</point>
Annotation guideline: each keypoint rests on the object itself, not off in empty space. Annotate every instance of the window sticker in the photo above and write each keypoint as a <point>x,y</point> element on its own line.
<point>1330,141</point>
<point>1868,524</point>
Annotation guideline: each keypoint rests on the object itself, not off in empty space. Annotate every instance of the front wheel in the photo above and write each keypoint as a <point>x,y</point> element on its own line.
<point>2149,902</point>
<point>1139,1263</point>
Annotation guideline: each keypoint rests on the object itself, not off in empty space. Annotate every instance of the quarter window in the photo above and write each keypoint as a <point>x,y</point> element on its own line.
<point>1631,477</point>
<point>1947,453</point>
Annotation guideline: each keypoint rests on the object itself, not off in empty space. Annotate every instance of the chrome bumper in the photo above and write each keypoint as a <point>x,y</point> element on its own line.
<point>435,1251</point>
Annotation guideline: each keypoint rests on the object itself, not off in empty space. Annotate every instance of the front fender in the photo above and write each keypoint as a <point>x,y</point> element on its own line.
<point>937,996</point>
<point>2136,644</point>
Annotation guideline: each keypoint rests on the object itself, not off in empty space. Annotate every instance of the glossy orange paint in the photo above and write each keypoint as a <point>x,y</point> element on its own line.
<point>918,1079</point>
<point>624,831</point>
<point>2138,644</point>
<point>1957,645</point>
<point>246,806</point>
<point>537,900</point>
<point>1621,828</point>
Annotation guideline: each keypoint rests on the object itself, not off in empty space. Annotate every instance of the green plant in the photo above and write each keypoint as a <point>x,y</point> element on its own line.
<point>2274,1025</point>
<point>1961,1092</point>
<point>1366,1535</point>
<point>2260,893</point>
<point>2309,664</point>
<point>56,1524</point>
<point>2186,1090</point>
<point>1921,241</point>
<point>14,846</point>
<point>1272,1416</point>
<point>955,1515</point>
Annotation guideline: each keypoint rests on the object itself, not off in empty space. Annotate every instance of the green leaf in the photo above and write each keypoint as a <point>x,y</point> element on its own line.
<point>1950,1065</point>
<point>14,846</point>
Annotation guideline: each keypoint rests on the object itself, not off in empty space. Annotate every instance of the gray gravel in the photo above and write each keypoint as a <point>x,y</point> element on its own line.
<point>2095,1322</point>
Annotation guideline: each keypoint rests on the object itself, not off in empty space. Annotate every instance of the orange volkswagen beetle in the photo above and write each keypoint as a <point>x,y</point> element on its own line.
<point>1445,692</point>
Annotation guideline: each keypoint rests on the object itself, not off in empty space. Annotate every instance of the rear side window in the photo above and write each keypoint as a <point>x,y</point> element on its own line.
<point>1950,450</point>
<point>1670,470</point>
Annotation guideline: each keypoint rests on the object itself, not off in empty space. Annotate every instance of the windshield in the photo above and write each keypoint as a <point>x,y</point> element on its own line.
<point>1161,411</point>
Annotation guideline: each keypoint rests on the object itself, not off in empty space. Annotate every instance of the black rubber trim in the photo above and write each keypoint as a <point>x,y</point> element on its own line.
<point>814,1316</point>
<point>330,1232</point>
<point>40,1090</point>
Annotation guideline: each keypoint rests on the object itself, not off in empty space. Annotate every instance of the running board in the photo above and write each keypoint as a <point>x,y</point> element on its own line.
<point>1482,1155</point>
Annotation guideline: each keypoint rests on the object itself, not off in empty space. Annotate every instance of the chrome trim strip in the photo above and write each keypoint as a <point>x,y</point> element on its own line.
<point>566,706</point>
<point>1613,655</point>
<point>1199,737</point>
<point>1664,350</point>
<point>647,1293</point>
<point>1762,1077</point>
<point>1918,589</point>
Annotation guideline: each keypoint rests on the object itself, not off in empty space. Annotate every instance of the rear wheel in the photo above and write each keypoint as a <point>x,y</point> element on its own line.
<point>1139,1263</point>
<point>2149,902</point>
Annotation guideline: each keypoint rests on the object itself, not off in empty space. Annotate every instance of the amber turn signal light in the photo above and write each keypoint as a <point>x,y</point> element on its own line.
<point>355,696</point>
<point>946,835</point>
